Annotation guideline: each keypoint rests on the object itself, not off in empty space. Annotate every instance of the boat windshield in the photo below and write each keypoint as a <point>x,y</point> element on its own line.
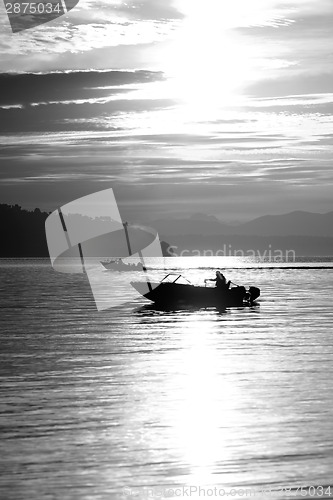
<point>173,278</point>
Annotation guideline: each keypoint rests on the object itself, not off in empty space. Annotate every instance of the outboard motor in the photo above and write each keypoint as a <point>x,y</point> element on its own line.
<point>254,292</point>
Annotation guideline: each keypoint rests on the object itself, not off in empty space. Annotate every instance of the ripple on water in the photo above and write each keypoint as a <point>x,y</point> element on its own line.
<point>140,397</point>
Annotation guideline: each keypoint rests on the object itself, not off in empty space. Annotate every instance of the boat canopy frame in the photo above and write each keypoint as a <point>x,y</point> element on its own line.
<point>177,278</point>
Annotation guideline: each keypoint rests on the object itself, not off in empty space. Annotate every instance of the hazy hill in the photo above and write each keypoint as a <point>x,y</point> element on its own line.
<point>191,226</point>
<point>292,224</point>
<point>23,233</point>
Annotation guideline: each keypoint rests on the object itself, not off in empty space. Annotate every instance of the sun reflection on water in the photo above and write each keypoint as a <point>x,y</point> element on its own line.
<point>206,404</point>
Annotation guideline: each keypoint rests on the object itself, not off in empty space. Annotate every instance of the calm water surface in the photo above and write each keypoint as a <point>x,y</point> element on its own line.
<point>131,401</point>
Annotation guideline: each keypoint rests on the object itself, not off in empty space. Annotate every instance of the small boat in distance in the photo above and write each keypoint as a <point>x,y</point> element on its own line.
<point>174,289</point>
<point>119,265</point>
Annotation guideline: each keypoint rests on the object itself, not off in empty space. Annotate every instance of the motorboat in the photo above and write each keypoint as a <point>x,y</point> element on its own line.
<point>174,288</point>
<point>119,265</point>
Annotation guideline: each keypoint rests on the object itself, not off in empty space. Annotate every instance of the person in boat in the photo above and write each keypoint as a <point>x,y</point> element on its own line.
<point>220,281</point>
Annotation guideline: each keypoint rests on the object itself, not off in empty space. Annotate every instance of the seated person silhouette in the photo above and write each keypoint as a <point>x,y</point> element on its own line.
<point>220,281</point>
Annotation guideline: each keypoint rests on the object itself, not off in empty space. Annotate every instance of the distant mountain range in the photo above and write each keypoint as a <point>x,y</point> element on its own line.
<point>306,233</point>
<point>291,224</point>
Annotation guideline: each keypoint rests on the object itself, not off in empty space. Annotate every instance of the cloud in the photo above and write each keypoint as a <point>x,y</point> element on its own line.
<point>89,27</point>
<point>304,44</point>
<point>269,145</point>
<point>66,85</point>
<point>71,100</point>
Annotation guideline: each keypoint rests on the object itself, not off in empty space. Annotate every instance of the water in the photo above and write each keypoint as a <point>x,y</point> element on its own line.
<point>133,401</point>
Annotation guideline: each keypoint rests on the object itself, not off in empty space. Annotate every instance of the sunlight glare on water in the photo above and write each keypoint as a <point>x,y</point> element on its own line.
<point>139,397</point>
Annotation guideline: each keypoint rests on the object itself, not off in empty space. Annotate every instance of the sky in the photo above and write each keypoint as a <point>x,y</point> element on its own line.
<point>220,107</point>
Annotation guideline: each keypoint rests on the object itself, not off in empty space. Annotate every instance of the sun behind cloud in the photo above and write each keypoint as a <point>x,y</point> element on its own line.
<point>209,62</point>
